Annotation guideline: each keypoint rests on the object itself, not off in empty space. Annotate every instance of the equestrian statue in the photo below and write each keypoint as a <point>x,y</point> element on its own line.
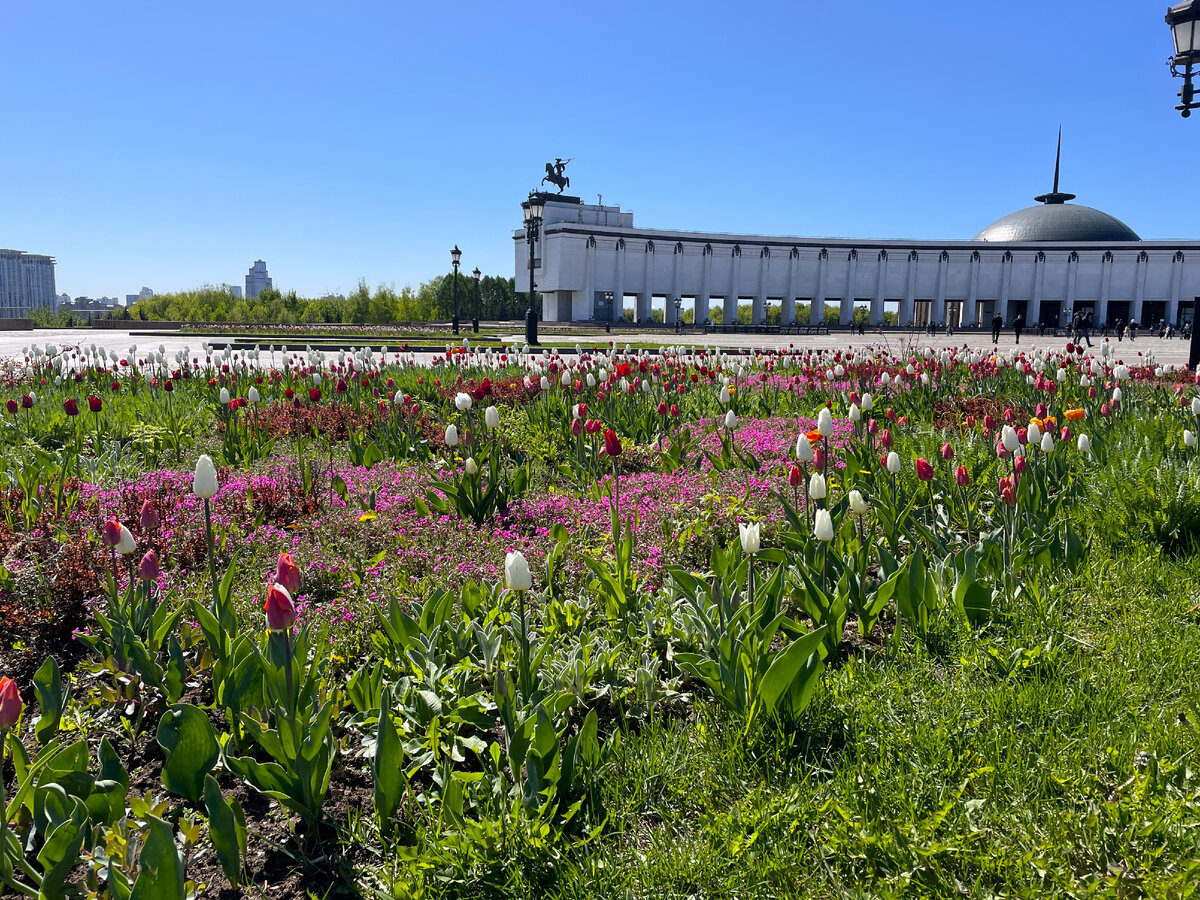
<point>554,174</point>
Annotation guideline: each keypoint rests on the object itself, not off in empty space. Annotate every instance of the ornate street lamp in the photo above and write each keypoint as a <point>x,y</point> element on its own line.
<point>475,318</point>
<point>1184,20</point>
<point>455,258</point>
<point>678,319</point>
<point>533,223</point>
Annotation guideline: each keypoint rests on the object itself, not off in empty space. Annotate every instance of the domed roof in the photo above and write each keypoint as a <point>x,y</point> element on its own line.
<point>1058,221</point>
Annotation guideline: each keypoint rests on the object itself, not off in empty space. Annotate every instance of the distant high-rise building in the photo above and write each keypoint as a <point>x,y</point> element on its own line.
<point>237,291</point>
<point>257,279</point>
<point>26,283</point>
<point>144,294</point>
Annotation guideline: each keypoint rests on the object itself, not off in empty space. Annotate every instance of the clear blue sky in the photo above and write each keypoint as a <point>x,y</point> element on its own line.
<point>172,144</point>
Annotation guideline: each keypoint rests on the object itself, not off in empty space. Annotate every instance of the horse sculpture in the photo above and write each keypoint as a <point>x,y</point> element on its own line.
<point>554,174</point>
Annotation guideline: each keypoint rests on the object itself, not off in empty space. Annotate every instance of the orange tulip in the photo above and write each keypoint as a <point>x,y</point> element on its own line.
<point>1074,415</point>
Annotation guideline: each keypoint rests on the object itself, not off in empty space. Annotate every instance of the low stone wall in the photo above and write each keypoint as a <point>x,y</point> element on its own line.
<point>16,324</point>
<point>135,325</point>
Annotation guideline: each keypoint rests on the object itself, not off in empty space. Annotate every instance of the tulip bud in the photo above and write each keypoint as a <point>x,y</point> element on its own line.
<point>110,533</point>
<point>961,478</point>
<point>868,403</point>
<point>1084,444</point>
<point>287,574</point>
<point>1196,406</point>
<point>804,450</point>
<point>491,417</point>
<point>470,467</point>
<point>947,451</point>
<point>872,427</point>
<point>858,503</point>
<point>281,611</point>
<point>825,422</point>
<point>724,396</point>
<point>252,395</point>
<point>823,526</point>
<point>1189,438</point>
<point>10,703</point>
<point>451,435</point>
<point>1047,443</point>
<point>1010,439</point>
<point>893,462</point>
<point>148,567</point>
<point>1019,464</point>
<point>750,537</point>
<point>224,397</point>
<point>204,481</point>
<point>516,572</point>
<point>544,384</point>
<point>854,415</point>
<point>924,469</point>
<point>730,420</point>
<point>817,487</point>
<point>885,439</point>
<point>795,476</point>
<point>126,544</point>
<point>148,518</point>
<point>576,428</point>
<point>612,444</point>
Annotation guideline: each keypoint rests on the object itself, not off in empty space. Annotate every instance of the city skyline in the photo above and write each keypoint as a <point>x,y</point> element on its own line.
<point>921,122</point>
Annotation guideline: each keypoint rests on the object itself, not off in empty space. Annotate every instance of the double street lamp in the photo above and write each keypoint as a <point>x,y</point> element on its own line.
<point>678,320</point>
<point>533,224</point>
<point>475,318</point>
<point>456,258</point>
<point>1184,20</point>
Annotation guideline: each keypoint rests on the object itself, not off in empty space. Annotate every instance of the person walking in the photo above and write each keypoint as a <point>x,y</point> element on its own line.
<point>1120,330</point>
<point>1076,321</point>
<point>1133,329</point>
<point>1085,327</point>
<point>1017,325</point>
<point>997,324</point>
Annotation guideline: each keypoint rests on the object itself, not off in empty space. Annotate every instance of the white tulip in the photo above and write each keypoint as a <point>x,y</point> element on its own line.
<point>823,526</point>
<point>224,397</point>
<point>750,537</point>
<point>885,379</point>
<point>462,401</point>
<point>1189,439</point>
<point>825,422</point>
<point>724,396</point>
<point>544,384</point>
<point>516,572</point>
<point>1117,395</point>
<point>451,435</point>
<point>1047,443</point>
<point>804,450</point>
<point>730,420</point>
<point>252,396</point>
<point>126,544</point>
<point>1196,406</point>
<point>868,403</point>
<point>817,489</point>
<point>854,415</point>
<point>858,503</point>
<point>491,417</point>
<point>470,467</point>
<point>316,379</point>
<point>893,462</point>
<point>1034,434</point>
<point>398,398</point>
<point>1009,436</point>
<point>1084,444</point>
<point>204,481</point>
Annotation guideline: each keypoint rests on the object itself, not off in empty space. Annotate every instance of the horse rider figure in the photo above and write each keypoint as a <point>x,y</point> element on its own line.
<point>554,173</point>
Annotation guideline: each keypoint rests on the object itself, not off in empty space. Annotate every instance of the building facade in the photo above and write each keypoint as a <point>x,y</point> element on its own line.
<point>1043,263</point>
<point>257,279</point>
<point>26,284</point>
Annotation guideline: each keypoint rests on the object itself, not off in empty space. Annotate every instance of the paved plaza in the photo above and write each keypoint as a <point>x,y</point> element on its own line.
<point>1168,350</point>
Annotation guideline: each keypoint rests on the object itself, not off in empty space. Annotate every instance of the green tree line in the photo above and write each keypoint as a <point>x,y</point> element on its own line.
<point>432,301</point>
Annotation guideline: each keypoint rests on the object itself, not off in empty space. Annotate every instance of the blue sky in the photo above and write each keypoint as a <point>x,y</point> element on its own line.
<point>173,144</point>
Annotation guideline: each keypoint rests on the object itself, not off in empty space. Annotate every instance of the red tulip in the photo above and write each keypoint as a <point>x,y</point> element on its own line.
<point>989,424</point>
<point>612,446</point>
<point>674,408</point>
<point>148,517</point>
<point>576,428</point>
<point>1019,464</point>
<point>281,611</point>
<point>10,703</point>
<point>872,427</point>
<point>961,477</point>
<point>95,404</point>
<point>795,476</point>
<point>148,568</point>
<point>924,469</point>
<point>110,533</point>
<point>314,395</point>
<point>819,459</point>
<point>12,406</point>
<point>26,401</point>
<point>287,574</point>
<point>70,407</point>
<point>947,451</point>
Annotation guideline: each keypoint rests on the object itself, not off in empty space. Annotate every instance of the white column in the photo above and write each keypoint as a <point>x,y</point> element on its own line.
<point>938,314</point>
<point>1072,277</point>
<point>816,315</point>
<point>731,297</point>
<point>1005,285</point>
<point>846,313</point>
<point>759,314</point>
<point>588,309</point>
<point>1106,265</point>
<point>789,298</point>
<point>971,313</point>
<point>910,287</point>
<point>1176,284</point>
<point>1139,289</point>
<point>645,299</point>
<point>676,259</point>
<point>880,291</point>
<point>618,309</point>
<point>1035,305</point>
<point>704,300</point>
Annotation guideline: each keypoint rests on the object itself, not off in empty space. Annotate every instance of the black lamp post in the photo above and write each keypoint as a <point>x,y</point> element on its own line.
<point>1184,19</point>
<point>455,257</point>
<point>678,317</point>
<point>475,318</point>
<point>533,224</point>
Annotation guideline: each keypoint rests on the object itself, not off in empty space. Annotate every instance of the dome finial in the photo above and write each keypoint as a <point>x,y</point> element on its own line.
<point>1054,196</point>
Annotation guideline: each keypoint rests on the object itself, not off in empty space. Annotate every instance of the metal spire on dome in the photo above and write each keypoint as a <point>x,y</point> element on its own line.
<point>1054,196</point>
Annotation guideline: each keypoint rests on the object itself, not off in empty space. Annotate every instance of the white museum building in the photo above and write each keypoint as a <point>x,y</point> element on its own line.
<point>1044,263</point>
